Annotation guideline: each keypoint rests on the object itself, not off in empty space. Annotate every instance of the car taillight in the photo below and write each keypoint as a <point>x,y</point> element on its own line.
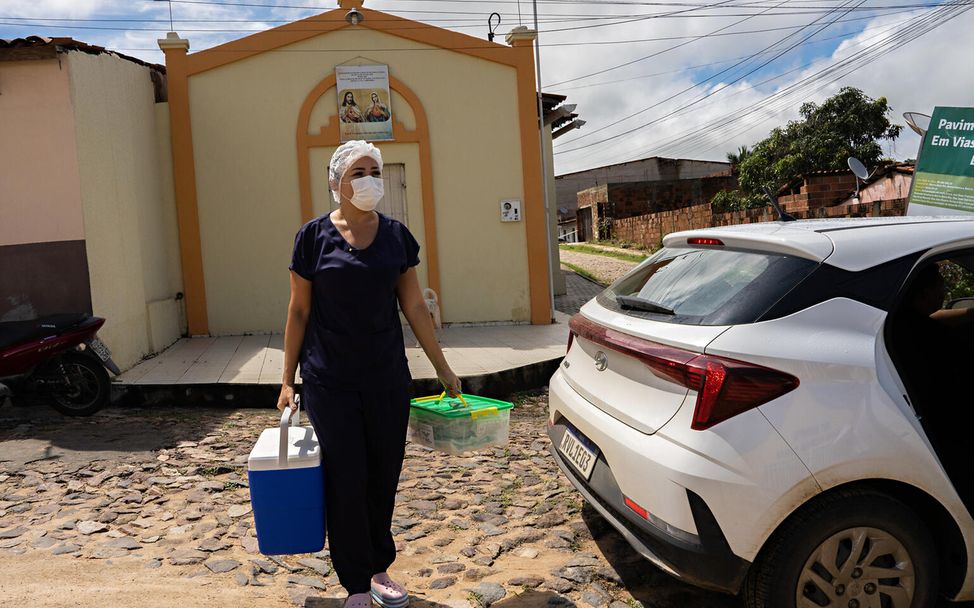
<point>571,338</point>
<point>724,387</point>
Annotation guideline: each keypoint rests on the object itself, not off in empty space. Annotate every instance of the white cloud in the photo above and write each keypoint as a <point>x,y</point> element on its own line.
<point>927,73</point>
<point>59,8</point>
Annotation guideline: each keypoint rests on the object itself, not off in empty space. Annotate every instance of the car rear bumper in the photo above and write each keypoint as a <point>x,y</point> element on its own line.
<point>707,563</point>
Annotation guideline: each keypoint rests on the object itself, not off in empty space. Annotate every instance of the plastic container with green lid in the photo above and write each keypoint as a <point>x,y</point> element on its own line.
<point>459,424</point>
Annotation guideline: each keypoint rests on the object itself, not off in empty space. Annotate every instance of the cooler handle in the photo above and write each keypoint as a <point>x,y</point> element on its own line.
<point>295,419</point>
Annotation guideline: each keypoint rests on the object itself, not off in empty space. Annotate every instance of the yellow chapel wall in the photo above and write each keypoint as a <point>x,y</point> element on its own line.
<point>244,119</point>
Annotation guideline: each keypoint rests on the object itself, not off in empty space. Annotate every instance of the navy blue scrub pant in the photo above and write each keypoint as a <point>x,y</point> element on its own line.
<point>363,439</point>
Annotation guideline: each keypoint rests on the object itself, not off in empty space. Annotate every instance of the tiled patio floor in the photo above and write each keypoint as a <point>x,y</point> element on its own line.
<point>471,351</point>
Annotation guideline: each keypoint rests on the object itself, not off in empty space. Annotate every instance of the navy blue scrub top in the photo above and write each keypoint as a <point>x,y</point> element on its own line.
<point>354,337</point>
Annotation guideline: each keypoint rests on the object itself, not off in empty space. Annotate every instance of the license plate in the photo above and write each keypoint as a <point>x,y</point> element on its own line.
<point>100,349</point>
<point>573,447</point>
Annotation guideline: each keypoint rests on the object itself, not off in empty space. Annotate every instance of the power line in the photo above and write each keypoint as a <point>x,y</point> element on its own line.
<point>479,17</point>
<point>465,22</point>
<point>459,23</point>
<point>483,46</point>
<point>656,54</point>
<point>477,24</point>
<point>696,130</point>
<point>682,13</point>
<point>864,59</point>
<point>917,27</point>
<point>5,20</point>
<point>586,3</point>
<point>556,85</point>
<point>696,85</point>
<point>690,68</point>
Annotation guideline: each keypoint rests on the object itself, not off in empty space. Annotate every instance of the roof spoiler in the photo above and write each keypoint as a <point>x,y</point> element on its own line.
<point>782,216</point>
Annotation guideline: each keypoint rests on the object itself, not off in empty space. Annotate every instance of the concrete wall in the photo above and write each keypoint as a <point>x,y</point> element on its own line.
<point>243,118</point>
<point>39,173</point>
<point>649,169</point>
<point>127,201</point>
<point>43,269</point>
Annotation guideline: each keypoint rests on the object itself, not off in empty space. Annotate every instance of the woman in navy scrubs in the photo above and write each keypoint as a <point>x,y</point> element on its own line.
<point>349,271</point>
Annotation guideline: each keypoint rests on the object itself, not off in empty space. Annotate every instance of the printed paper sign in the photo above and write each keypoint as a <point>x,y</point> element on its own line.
<point>364,103</point>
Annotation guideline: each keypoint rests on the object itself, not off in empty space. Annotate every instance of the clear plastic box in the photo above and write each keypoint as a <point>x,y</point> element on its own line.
<point>459,424</point>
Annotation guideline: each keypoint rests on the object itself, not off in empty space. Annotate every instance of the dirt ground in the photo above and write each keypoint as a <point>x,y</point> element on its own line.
<point>34,579</point>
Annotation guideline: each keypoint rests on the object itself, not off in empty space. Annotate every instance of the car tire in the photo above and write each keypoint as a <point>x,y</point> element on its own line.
<point>811,560</point>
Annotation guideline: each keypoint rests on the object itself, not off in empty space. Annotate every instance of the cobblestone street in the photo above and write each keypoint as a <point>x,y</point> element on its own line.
<point>580,291</point>
<point>151,507</point>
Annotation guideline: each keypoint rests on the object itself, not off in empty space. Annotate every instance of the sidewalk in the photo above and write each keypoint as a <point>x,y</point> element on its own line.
<point>246,370</point>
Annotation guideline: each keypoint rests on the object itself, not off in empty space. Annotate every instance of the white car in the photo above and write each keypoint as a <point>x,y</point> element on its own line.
<point>744,408</point>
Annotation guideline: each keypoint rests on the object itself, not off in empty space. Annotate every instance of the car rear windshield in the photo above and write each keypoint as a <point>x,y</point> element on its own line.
<point>705,286</point>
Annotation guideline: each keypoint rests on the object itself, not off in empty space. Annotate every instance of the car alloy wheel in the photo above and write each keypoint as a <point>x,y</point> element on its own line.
<point>849,548</point>
<point>857,568</point>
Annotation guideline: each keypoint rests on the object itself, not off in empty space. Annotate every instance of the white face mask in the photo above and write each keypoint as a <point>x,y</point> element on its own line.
<point>366,192</point>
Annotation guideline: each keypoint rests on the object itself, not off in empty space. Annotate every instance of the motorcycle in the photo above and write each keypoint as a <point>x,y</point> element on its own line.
<point>59,356</point>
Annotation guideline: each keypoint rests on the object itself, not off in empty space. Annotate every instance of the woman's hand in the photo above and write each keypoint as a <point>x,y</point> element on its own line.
<point>450,381</point>
<point>286,398</point>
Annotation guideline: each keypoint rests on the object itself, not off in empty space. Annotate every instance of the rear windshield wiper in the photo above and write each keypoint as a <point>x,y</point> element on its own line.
<point>640,304</point>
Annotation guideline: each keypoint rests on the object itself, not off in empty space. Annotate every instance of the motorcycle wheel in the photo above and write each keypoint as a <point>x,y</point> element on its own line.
<point>85,388</point>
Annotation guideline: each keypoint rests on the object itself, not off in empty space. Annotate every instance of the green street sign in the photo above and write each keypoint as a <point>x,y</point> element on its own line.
<point>944,180</point>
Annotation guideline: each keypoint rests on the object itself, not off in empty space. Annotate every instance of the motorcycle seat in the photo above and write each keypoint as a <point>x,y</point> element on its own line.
<point>18,332</point>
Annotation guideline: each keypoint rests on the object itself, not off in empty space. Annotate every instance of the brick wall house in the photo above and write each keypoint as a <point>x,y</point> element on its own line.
<point>600,205</point>
<point>888,183</point>
<point>656,168</point>
<point>817,189</point>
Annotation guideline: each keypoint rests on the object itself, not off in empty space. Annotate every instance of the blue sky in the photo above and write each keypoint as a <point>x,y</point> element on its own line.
<point>679,78</point>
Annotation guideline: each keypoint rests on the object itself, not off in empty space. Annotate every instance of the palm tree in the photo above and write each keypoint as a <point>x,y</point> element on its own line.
<point>736,158</point>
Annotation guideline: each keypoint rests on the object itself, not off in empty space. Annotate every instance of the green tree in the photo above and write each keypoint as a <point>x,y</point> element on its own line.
<point>850,123</point>
<point>735,200</point>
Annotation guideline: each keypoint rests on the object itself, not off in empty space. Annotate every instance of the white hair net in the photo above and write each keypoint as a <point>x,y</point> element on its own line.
<point>344,157</point>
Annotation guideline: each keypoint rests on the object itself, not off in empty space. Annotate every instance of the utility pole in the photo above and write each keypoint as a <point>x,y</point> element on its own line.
<point>544,162</point>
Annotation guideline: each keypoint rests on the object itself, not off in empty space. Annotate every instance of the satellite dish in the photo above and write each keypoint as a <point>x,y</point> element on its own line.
<point>858,168</point>
<point>918,122</point>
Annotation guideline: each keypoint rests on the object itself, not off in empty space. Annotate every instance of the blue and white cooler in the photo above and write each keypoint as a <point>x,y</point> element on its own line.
<point>287,488</point>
